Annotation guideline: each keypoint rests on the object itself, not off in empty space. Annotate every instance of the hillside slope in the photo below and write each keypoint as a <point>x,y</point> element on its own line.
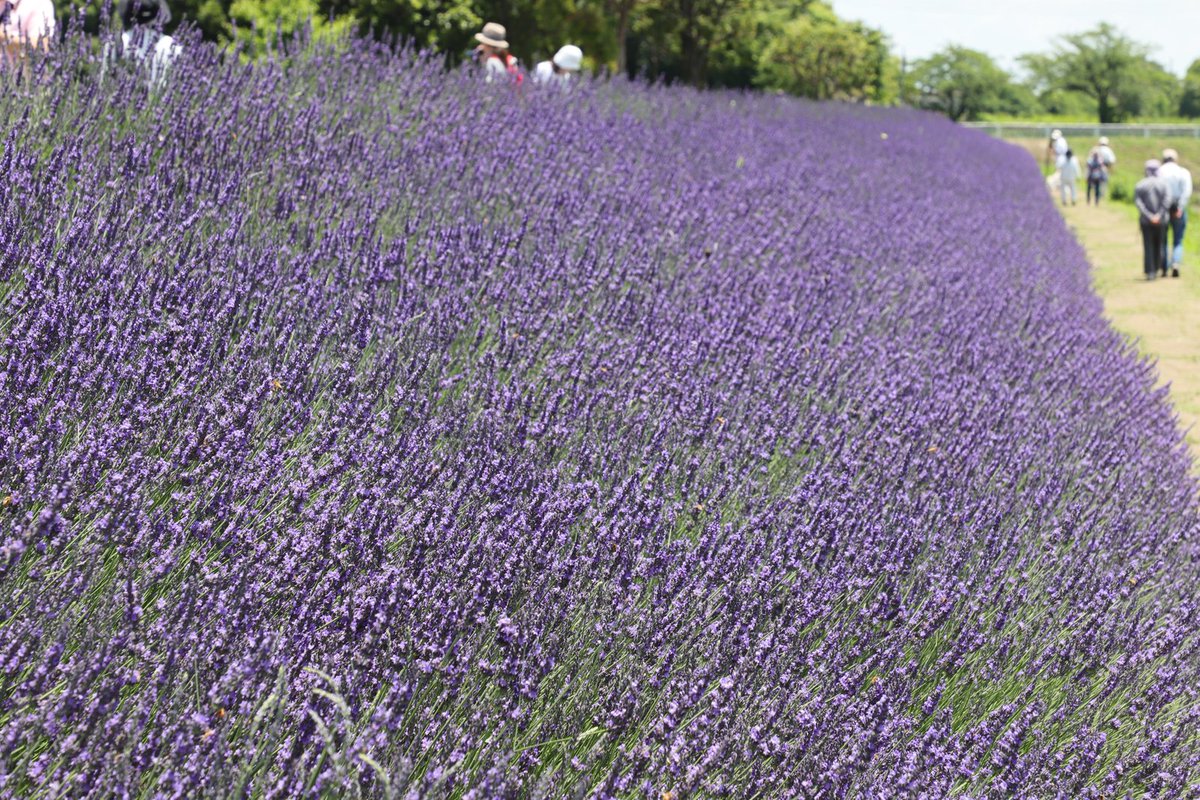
<point>370,430</point>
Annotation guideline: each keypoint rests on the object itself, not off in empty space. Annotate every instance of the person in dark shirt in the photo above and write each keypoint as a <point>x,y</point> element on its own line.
<point>1152,199</point>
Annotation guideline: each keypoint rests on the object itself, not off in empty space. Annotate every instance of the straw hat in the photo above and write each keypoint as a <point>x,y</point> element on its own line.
<point>568,57</point>
<point>493,35</point>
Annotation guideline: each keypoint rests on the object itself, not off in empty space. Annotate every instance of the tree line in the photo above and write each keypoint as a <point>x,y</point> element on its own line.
<point>1100,73</point>
<point>796,46</point>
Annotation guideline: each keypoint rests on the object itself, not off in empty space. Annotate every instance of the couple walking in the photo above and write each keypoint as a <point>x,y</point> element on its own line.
<point>1162,200</point>
<point>1100,160</point>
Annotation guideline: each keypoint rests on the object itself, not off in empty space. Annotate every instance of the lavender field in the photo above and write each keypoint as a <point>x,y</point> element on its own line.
<point>369,431</point>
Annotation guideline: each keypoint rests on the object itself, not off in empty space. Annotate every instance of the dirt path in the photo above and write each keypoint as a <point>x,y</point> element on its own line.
<point>1162,315</point>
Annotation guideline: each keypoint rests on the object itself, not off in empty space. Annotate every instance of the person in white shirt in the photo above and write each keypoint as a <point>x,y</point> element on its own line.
<point>566,62</point>
<point>1179,193</point>
<point>1068,172</point>
<point>1106,153</point>
<point>1057,148</point>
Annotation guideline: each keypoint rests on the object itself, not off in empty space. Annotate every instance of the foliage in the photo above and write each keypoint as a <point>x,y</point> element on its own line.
<point>370,431</point>
<point>622,13</point>
<point>1108,67</point>
<point>1061,103</point>
<point>444,25</point>
<point>1017,99</point>
<point>818,55</point>
<point>682,39</point>
<point>1096,73</point>
<point>259,25</point>
<point>796,46</point>
<point>1150,91</point>
<point>961,83</point>
<point>1189,99</point>
<point>702,42</point>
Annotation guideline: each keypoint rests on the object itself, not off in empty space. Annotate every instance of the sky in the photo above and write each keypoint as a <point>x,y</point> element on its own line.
<point>1004,29</point>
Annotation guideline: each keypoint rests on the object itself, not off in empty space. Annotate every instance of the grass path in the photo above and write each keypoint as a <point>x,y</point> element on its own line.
<point>1163,316</point>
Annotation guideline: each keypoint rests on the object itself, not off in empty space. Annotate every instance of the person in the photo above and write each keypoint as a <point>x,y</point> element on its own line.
<point>1068,175</point>
<point>566,62</point>
<point>492,53</point>
<point>1150,197</point>
<point>1056,148</point>
<point>1179,192</point>
<point>1097,175</point>
<point>142,43</point>
<point>141,13</point>
<point>1106,153</point>
<point>142,38</point>
<point>25,23</point>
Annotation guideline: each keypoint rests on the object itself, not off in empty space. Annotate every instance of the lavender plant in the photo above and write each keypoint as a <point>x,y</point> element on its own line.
<point>370,431</point>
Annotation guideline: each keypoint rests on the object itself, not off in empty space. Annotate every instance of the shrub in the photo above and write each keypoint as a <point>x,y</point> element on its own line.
<point>1120,190</point>
<point>368,430</point>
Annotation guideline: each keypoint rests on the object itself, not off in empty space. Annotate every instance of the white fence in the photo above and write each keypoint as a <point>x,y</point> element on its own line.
<point>1041,130</point>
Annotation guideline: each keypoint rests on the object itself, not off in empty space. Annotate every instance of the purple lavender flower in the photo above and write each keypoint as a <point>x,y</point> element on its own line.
<point>369,431</point>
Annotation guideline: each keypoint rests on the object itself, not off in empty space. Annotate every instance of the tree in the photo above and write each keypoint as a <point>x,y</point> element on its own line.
<point>820,56</point>
<point>259,23</point>
<point>623,12</point>
<point>798,46</point>
<point>676,39</point>
<point>1150,91</point>
<point>960,82</point>
<point>701,23</point>
<point>1189,99</point>
<point>443,25</point>
<point>1102,64</point>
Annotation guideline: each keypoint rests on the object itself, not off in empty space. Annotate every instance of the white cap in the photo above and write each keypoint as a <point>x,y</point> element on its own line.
<point>1104,140</point>
<point>1056,134</point>
<point>568,57</point>
<point>1170,155</point>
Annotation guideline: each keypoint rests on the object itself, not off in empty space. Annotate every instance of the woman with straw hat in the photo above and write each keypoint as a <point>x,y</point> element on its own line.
<point>492,52</point>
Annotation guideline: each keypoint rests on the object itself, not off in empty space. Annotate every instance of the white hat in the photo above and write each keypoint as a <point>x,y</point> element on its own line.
<point>568,57</point>
<point>1056,134</point>
<point>1103,140</point>
<point>1170,155</point>
<point>494,35</point>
